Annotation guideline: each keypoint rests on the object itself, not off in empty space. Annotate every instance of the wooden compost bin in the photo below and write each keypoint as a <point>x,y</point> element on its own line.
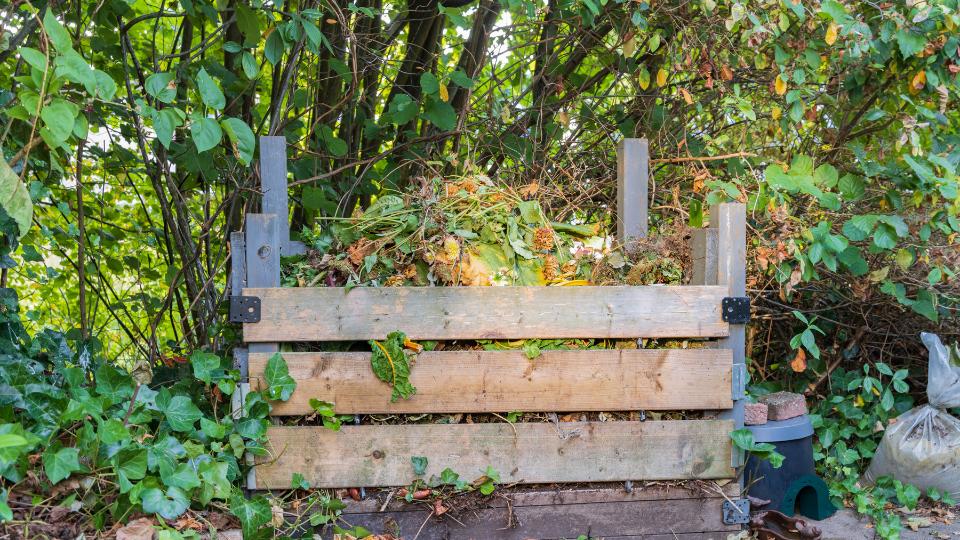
<point>547,454</point>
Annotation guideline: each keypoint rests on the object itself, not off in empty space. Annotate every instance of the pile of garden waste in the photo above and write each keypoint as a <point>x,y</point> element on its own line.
<point>471,231</point>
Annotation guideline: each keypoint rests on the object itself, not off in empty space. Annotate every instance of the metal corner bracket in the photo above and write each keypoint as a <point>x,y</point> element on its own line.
<point>736,512</point>
<point>244,309</point>
<point>735,309</point>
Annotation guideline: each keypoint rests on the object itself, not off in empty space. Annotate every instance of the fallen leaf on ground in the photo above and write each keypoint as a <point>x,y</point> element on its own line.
<point>138,529</point>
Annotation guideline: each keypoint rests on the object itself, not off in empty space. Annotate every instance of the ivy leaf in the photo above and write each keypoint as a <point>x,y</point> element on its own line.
<point>60,464</point>
<point>161,86</point>
<point>58,35</point>
<point>210,91</point>
<point>215,481</point>
<point>206,132</point>
<point>183,477</point>
<point>203,365</point>
<point>419,465</point>
<point>390,364</point>
<point>182,414</point>
<point>15,198</point>
<point>168,505</point>
<point>212,429</point>
<point>280,385</point>
<point>253,513</point>
<point>242,141</point>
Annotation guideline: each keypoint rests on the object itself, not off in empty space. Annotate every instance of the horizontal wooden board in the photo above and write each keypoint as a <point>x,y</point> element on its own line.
<point>446,313</point>
<point>534,453</point>
<point>503,381</point>
<point>682,519</point>
<point>562,495</point>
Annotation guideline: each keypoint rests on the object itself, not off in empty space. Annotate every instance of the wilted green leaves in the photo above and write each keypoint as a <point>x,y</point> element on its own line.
<point>391,365</point>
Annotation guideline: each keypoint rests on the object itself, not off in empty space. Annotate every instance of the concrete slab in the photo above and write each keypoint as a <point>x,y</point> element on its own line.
<point>847,525</point>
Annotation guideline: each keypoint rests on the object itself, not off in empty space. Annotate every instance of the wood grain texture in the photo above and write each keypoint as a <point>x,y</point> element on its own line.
<point>685,518</point>
<point>503,381</point>
<point>527,453</point>
<point>599,520</point>
<point>564,494</point>
<point>445,313</point>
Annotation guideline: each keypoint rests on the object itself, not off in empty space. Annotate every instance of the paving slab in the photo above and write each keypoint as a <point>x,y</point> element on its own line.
<point>847,525</point>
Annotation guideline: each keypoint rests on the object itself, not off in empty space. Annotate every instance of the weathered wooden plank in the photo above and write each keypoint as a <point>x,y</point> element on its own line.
<point>632,176</point>
<point>503,381</point>
<point>527,453</point>
<point>564,494</point>
<point>703,247</point>
<point>445,313</point>
<point>674,518</point>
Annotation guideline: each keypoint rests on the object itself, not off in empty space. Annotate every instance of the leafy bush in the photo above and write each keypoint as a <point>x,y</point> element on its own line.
<point>109,443</point>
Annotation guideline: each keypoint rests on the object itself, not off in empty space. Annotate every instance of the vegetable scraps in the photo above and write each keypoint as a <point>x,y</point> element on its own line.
<point>391,364</point>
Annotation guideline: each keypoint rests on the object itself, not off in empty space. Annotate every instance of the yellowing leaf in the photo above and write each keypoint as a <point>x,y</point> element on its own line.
<point>831,35</point>
<point>918,82</point>
<point>444,93</point>
<point>776,113</point>
<point>563,118</point>
<point>661,77</point>
<point>643,78</point>
<point>629,47</point>
<point>780,85</point>
<point>686,96</point>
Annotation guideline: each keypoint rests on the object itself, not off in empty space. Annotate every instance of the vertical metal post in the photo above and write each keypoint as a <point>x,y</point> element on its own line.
<point>730,221</point>
<point>633,169</point>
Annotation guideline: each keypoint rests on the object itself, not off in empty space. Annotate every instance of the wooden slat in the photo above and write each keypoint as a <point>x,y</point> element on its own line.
<point>682,519</point>
<point>379,455</point>
<point>445,313</point>
<point>562,495</point>
<point>503,381</point>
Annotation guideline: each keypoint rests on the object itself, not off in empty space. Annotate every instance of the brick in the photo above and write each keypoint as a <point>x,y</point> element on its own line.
<point>755,414</point>
<point>784,405</point>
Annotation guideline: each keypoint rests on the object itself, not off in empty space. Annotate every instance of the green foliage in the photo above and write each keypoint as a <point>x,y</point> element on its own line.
<point>325,410</point>
<point>391,365</point>
<point>743,439</point>
<point>280,385</point>
<point>62,400</point>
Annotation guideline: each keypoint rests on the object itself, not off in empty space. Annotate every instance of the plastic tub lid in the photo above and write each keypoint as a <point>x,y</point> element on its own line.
<point>782,430</point>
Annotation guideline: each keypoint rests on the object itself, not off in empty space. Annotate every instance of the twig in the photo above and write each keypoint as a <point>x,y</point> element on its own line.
<point>422,525</point>
<point>389,498</point>
<point>133,401</point>
<point>702,158</point>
